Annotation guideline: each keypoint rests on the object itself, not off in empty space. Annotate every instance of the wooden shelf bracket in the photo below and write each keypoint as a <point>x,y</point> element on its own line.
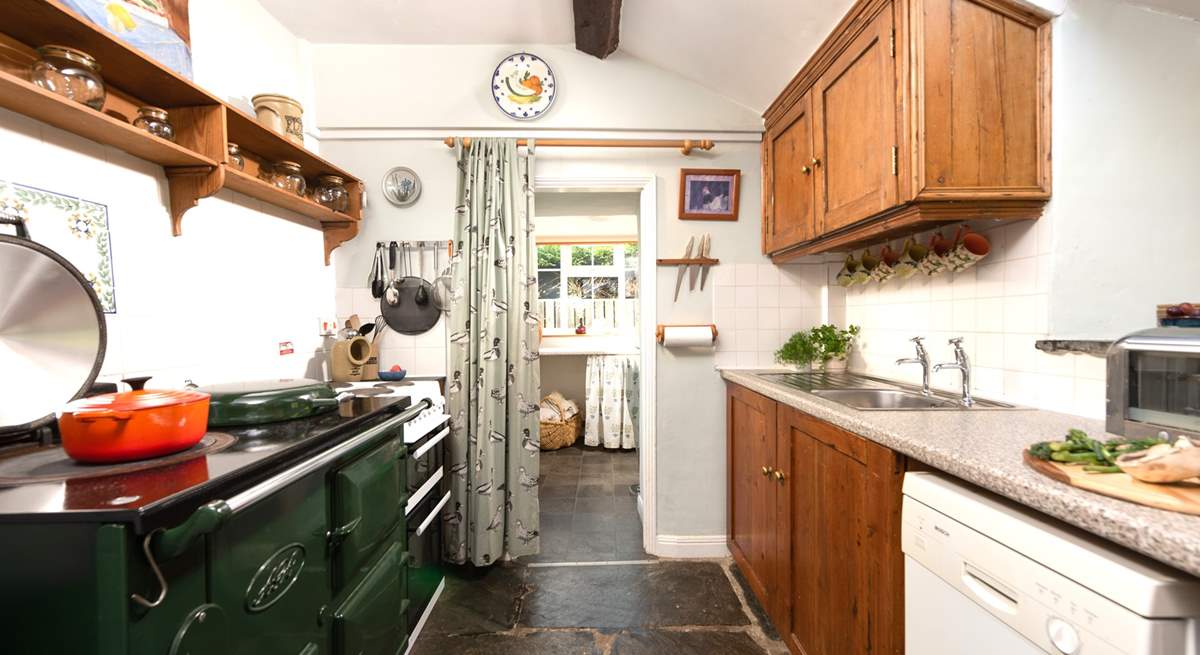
<point>187,185</point>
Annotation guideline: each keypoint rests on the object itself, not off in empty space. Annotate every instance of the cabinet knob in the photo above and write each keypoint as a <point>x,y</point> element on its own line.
<point>767,470</point>
<point>806,170</point>
<point>779,476</point>
<point>815,162</point>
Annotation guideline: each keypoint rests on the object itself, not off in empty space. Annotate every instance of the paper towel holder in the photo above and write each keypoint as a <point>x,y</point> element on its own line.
<point>660,330</point>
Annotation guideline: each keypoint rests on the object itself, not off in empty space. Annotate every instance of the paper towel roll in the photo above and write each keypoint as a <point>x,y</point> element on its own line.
<point>684,336</point>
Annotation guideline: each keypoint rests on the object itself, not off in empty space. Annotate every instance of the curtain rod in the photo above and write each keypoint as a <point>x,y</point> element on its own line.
<point>685,145</point>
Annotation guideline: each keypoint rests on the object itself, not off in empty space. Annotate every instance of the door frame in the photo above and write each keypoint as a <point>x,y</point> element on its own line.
<point>647,188</point>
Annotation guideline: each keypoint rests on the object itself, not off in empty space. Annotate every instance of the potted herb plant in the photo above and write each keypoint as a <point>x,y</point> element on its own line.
<point>798,351</point>
<point>833,345</point>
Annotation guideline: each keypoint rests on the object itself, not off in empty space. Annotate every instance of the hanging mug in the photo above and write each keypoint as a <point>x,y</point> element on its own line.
<point>910,259</point>
<point>971,247</point>
<point>935,261</point>
<point>850,273</point>
<point>886,270</point>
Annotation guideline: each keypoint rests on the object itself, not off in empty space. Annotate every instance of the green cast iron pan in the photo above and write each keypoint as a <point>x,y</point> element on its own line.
<point>267,401</point>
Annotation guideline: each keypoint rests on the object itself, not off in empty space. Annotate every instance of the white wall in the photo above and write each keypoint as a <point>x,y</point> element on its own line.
<point>213,304</point>
<point>1126,89</point>
<point>447,87</point>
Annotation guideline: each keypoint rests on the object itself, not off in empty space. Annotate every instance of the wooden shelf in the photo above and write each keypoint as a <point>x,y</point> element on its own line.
<point>26,98</point>
<point>690,261</point>
<point>195,163</point>
<point>252,186</point>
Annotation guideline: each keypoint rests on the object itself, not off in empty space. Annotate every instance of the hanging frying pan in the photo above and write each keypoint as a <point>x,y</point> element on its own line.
<point>52,332</point>
<point>412,313</point>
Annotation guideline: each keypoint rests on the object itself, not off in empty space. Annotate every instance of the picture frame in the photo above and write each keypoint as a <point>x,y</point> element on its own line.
<point>709,194</point>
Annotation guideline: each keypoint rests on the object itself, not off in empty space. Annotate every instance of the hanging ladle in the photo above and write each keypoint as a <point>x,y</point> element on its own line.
<point>422,294</point>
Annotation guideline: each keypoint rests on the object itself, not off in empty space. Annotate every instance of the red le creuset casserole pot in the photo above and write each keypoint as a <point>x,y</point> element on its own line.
<point>132,425</point>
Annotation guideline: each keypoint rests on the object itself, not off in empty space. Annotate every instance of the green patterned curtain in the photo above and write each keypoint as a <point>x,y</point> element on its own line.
<point>494,376</point>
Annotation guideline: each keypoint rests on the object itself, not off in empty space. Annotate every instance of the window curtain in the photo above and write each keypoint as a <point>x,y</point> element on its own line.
<point>494,377</point>
<point>611,409</point>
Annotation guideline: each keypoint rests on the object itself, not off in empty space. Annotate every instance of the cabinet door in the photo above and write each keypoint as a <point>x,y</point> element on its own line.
<point>751,454</point>
<point>842,500</point>
<point>788,149</point>
<point>854,111</point>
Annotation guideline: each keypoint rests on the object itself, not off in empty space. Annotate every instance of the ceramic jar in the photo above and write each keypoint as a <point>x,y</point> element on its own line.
<point>155,121</point>
<point>280,113</point>
<point>287,177</point>
<point>236,159</point>
<point>70,73</point>
<point>331,192</point>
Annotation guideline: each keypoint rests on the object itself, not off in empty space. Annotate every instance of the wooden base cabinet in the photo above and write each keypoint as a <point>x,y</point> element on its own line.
<point>818,535</point>
<point>911,114</point>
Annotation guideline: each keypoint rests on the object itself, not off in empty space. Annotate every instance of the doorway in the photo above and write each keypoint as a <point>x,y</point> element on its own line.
<point>596,290</point>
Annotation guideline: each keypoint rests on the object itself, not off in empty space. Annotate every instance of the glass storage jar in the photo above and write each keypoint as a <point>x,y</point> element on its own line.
<point>70,73</point>
<point>235,157</point>
<point>287,177</point>
<point>331,192</point>
<point>155,121</point>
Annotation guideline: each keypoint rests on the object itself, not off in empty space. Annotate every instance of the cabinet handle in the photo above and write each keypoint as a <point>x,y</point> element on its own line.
<point>806,170</point>
<point>816,162</point>
<point>779,476</point>
<point>767,470</point>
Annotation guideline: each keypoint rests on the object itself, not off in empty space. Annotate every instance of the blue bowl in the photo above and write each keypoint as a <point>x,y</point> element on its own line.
<point>392,376</point>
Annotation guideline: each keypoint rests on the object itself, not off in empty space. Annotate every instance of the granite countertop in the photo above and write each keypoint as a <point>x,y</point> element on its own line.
<point>984,447</point>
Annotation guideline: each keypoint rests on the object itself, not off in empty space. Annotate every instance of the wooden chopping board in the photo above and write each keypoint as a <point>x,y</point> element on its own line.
<point>1179,497</point>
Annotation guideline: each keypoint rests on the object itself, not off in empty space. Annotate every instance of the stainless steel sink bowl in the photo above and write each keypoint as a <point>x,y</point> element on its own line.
<point>867,393</point>
<point>884,399</point>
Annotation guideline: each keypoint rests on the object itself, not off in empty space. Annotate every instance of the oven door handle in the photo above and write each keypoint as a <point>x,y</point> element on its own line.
<point>210,516</point>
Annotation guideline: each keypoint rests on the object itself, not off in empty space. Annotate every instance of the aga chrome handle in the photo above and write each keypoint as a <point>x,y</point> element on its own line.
<point>162,582</point>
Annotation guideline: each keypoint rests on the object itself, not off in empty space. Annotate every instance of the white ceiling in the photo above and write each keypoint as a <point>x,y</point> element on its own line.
<point>746,50</point>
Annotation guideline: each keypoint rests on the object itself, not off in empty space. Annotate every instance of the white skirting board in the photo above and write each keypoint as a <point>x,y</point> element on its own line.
<point>684,545</point>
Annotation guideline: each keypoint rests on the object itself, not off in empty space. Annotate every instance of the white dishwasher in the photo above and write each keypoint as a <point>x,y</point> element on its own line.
<point>985,576</point>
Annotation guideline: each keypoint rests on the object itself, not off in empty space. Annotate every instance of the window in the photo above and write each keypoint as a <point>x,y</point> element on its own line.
<point>594,283</point>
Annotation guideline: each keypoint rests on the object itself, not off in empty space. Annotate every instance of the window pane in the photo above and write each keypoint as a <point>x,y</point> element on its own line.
<point>602,255</point>
<point>581,255</point>
<point>548,257</point>
<point>631,254</point>
<point>631,284</point>
<point>579,287</point>
<point>604,287</point>
<point>548,284</point>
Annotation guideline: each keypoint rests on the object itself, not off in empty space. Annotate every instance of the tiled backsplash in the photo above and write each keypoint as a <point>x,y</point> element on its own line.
<point>999,307</point>
<point>759,306</point>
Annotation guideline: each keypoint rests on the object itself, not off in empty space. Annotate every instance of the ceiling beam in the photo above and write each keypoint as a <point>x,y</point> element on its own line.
<point>597,26</point>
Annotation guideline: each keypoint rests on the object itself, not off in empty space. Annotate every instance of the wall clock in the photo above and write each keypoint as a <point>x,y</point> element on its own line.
<point>401,186</point>
<point>523,86</point>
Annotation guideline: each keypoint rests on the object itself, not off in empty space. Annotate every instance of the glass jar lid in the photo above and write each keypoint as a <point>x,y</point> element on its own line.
<point>70,54</point>
<point>331,179</point>
<point>289,166</point>
<point>153,112</point>
<point>233,147</point>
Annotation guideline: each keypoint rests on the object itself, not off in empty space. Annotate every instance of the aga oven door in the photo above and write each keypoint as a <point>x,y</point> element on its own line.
<point>372,620</point>
<point>368,504</point>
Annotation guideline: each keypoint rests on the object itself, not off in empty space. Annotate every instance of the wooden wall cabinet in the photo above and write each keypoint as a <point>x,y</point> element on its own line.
<point>912,113</point>
<point>814,525</point>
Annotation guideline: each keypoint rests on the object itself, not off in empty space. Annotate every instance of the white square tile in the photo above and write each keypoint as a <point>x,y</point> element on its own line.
<point>768,274</point>
<point>747,358</point>
<point>766,359</point>
<point>746,297</point>
<point>989,315</point>
<point>344,301</point>
<point>1021,240</point>
<point>364,304</point>
<point>746,275</point>
<point>745,339</point>
<point>1091,367</point>
<point>723,275</point>
<point>1021,276</point>
<point>940,287</point>
<point>768,296</point>
<point>794,319</point>
<point>989,349</point>
<point>1089,399</point>
<point>724,297</point>
<point>746,318</point>
<point>768,340</point>
<point>964,316</point>
<point>768,318</point>
<point>1019,353</point>
<point>792,296</point>
<point>963,284</point>
<point>1020,315</point>
<point>725,358</point>
<point>941,315</point>
<point>989,278</point>
<point>1055,364</point>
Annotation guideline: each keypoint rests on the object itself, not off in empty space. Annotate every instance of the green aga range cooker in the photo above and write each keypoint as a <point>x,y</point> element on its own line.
<point>312,536</point>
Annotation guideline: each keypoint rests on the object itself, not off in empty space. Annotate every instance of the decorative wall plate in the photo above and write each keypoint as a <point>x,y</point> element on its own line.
<point>401,186</point>
<point>523,86</point>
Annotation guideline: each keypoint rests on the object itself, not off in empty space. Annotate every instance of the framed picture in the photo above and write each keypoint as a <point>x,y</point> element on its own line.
<point>709,194</point>
<point>159,28</point>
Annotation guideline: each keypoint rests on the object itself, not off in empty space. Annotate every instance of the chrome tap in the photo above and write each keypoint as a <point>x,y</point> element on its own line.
<point>963,366</point>
<point>922,358</point>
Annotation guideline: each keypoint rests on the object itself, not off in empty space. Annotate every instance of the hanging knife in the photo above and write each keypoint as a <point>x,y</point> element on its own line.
<point>687,254</point>
<point>694,270</point>
<point>705,245</point>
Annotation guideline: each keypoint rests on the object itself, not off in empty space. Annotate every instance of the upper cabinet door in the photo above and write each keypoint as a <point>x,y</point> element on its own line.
<point>788,148</point>
<point>982,75</point>
<point>854,107</point>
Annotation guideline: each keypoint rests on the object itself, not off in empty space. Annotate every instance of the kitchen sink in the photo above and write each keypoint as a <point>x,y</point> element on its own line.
<point>867,393</point>
<point>884,399</point>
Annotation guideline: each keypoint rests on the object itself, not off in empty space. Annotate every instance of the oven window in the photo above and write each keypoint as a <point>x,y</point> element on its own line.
<point>1164,389</point>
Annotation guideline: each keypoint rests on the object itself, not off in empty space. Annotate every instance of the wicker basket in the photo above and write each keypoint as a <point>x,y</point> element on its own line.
<point>560,434</point>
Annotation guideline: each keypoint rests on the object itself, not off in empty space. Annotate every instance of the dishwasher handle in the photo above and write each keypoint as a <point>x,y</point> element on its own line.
<point>989,591</point>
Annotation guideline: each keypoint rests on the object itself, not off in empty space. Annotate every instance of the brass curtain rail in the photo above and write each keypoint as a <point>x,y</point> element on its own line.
<point>686,146</point>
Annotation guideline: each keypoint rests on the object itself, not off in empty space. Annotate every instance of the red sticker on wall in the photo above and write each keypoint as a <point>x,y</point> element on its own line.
<point>285,348</point>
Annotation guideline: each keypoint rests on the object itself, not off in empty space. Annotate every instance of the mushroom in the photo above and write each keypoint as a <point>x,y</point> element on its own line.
<point>1163,463</point>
